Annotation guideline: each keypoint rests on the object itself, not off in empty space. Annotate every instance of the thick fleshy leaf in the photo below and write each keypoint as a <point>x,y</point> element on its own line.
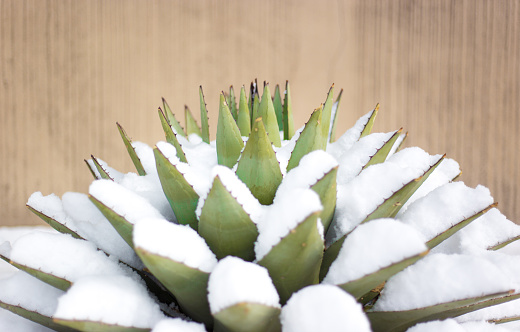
<point>278,107</point>
<point>36,317</point>
<point>172,121</point>
<point>254,111</point>
<point>92,168</point>
<point>288,121</point>
<point>391,206</point>
<point>191,125</point>
<point>432,243</point>
<point>504,243</point>
<point>53,222</point>
<point>248,317</point>
<point>226,227</point>
<point>180,194</point>
<point>232,102</point>
<point>295,261</point>
<point>229,140</point>
<point>368,127</point>
<point>310,139</point>
<point>83,325</point>
<point>326,188</point>
<point>204,126</point>
<point>330,255</point>
<point>131,151</point>
<point>101,170</point>
<point>267,112</point>
<point>384,151</point>
<point>171,136</point>
<point>244,119</point>
<point>334,117</point>
<point>258,167</point>
<point>121,224</point>
<point>396,321</point>
<point>187,284</point>
<point>327,112</point>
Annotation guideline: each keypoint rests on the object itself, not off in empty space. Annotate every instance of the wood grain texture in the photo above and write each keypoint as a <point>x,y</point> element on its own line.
<point>447,71</point>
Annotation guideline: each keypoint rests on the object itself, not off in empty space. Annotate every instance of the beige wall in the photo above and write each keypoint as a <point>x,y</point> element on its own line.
<point>446,71</point>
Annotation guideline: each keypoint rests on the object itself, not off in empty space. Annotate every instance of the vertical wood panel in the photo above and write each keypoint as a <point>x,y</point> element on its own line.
<point>447,71</point>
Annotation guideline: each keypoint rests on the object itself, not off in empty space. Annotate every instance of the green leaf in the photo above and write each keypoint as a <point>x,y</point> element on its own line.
<point>87,326</point>
<point>180,194</point>
<point>102,171</point>
<point>391,206</point>
<point>288,121</point>
<point>122,226</point>
<point>295,261</point>
<point>327,113</point>
<point>502,244</point>
<point>48,278</point>
<point>54,223</point>
<point>229,140</point>
<point>278,107</point>
<point>267,113</point>
<point>396,321</point>
<point>365,284</point>
<point>131,151</point>
<point>188,285</point>
<point>171,137</point>
<point>332,135</point>
<point>326,188</point>
<point>92,168</point>
<point>435,241</point>
<point>248,317</point>
<point>330,255</point>
<point>232,103</point>
<point>311,138</point>
<point>226,227</point>
<point>191,125</point>
<point>203,117</point>
<point>244,120</point>
<point>172,121</point>
<point>256,104</point>
<point>382,153</point>
<point>35,317</point>
<point>370,123</point>
<point>258,167</point>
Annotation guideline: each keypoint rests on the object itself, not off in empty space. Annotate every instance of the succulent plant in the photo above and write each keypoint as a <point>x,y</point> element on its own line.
<point>267,228</point>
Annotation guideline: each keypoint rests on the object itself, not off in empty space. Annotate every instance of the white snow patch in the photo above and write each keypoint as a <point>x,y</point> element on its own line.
<point>323,308</point>
<point>145,154</point>
<point>178,324</point>
<point>123,201</point>
<point>450,325</point>
<point>445,207</point>
<point>29,293</point>
<point>13,323</point>
<point>283,153</point>
<point>500,311</point>
<point>109,299</point>
<point>234,281</point>
<point>51,206</point>
<point>286,212</point>
<point>390,242</point>
<point>179,243</point>
<point>238,190</point>
<point>425,283</point>
<point>63,256</point>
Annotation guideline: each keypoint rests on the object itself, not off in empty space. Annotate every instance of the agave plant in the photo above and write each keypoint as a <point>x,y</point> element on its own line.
<point>267,228</point>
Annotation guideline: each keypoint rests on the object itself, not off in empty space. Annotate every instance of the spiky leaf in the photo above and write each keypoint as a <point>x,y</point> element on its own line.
<point>36,317</point>
<point>248,317</point>
<point>229,140</point>
<point>278,107</point>
<point>226,227</point>
<point>295,261</point>
<point>326,188</point>
<point>232,103</point>
<point>191,125</point>
<point>172,121</point>
<point>204,126</point>
<point>327,112</point>
<point>258,167</point>
<point>53,222</point>
<point>368,127</point>
<point>383,152</point>
<point>334,121</point>
<point>85,325</point>
<point>101,170</point>
<point>131,151</point>
<point>120,223</point>
<point>267,113</point>
<point>288,121</point>
<point>244,119</point>
<point>171,136</point>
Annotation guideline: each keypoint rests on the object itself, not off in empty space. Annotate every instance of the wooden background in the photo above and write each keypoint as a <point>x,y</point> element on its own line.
<point>446,71</point>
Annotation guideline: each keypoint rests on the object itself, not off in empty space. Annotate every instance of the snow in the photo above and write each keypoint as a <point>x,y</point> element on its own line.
<point>177,324</point>
<point>363,194</point>
<point>234,281</point>
<point>312,168</point>
<point>113,173</point>
<point>323,308</point>
<point>500,311</point>
<point>286,212</point>
<point>22,289</point>
<point>350,137</point>
<point>238,190</point>
<point>122,201</point>
<point>450,325</point>
<point>117,300</point>
<point>426,282</point>
<point>62,255</point>
<point>390,242</point>
<point>179,243</point>
<point>488,230</point>
<point>51,206</point>
<point>13,323</point>
<point>445,207</point>
<point>145,154</point>
<point>283,153</point>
